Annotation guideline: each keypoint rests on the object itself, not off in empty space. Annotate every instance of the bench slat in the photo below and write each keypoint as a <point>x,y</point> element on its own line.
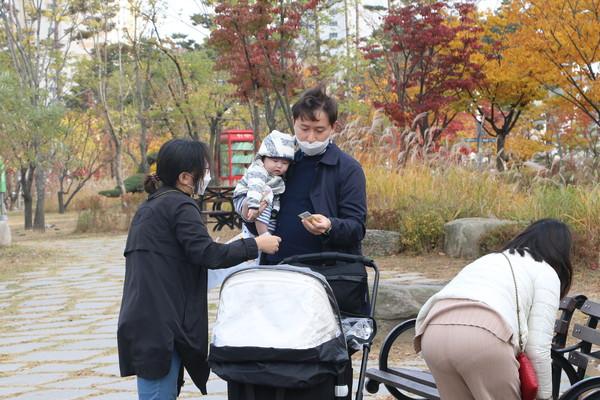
<point>587,334</point>
<point>591,308</point>
<point>583,360</point>
<point>403,384</point>
<point>569,303</point>
<point>422,377</point>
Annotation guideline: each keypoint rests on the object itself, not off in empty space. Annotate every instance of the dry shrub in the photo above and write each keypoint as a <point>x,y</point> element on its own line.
<point>103,221</point>
<point>585,253</point>
<point>90,202</point>
<point>496,239</point>
<point>418,199</point>
<point>100,216</point>
<point>384,219</point>
<point>382,143</point>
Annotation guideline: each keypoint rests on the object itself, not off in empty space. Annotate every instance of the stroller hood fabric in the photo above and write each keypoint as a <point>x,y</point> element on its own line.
<point>277,326</point>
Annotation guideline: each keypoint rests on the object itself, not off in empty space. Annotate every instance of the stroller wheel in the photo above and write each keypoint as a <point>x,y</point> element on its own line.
<point>372,386</point>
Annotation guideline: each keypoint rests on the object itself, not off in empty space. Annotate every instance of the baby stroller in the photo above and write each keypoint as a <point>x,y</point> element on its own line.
<point>280,334</point>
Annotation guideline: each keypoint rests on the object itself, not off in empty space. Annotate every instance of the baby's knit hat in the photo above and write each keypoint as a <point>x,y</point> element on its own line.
<point>278,145</point>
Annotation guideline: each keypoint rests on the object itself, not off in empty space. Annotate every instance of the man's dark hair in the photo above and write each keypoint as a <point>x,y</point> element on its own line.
<point>177,156</point>
<point>312,101</point>
<point>547,240</point>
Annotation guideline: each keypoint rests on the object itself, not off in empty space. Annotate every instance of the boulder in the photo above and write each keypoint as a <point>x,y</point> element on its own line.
<point>5,238</point>
<point>380,243</point>
<point>462,236</point>
<point>397,301</point>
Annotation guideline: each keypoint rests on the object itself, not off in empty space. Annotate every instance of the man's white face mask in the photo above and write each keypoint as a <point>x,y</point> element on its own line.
<point>314,148</point>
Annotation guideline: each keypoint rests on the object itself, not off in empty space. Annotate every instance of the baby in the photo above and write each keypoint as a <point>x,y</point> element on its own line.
<point>263,182</point>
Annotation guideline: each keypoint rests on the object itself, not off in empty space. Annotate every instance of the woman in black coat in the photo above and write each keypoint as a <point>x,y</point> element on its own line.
<point>163,323</point>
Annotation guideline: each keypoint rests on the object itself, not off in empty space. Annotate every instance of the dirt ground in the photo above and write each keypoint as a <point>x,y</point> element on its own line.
<point>434,266</point>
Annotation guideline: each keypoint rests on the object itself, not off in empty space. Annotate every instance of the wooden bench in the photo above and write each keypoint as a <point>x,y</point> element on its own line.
<point>222,210</point>
<point>583,356</point>
<point>401,382</point>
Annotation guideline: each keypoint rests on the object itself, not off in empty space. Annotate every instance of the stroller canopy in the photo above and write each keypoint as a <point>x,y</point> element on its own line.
<point>273,323</point>
<point>275,308</point>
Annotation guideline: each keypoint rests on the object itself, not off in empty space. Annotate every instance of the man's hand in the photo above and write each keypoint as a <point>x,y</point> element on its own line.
<point>316,224</point>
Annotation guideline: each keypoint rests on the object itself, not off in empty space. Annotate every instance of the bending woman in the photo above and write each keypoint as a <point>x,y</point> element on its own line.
<point>163,323</point>
<point>469,332</point>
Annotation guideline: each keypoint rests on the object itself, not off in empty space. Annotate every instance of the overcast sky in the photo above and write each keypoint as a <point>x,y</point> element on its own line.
<point>178,12</point>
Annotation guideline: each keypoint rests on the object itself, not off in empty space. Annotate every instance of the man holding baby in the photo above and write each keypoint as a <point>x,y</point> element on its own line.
<point>323,181</point>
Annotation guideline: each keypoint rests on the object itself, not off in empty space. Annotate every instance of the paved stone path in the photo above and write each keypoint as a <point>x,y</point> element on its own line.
<point>58,329</point>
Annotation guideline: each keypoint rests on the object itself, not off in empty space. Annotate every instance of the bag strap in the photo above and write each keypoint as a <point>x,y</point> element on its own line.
<point>517,300</point>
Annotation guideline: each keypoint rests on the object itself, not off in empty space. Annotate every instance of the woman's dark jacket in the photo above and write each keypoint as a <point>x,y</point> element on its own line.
<point>164,303</point>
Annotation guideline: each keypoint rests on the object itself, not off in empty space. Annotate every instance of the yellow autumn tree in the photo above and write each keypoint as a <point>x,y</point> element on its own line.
<point>509,86</point>
<point>561,39</point>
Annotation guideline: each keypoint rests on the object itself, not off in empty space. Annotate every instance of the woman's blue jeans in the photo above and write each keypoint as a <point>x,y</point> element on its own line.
<point>164,388</point>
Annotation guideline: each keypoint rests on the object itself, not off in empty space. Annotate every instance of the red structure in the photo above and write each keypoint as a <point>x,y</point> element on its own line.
<point>236,152</point>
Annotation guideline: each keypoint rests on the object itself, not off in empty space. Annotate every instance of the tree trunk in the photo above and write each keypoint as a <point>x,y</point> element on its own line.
<point>14,190</point>
<point>61,195</point>
<point>255,121</point>
<point>119,169</point>
<point>27,182</point>
<point>39,221</point>
<point>143,143</point>
<point>79,186</point>
<point>317,37</point>
<point>61,202</point>
<point>500,155</point>
<point>357,21</point>
<point>347,28</point>
<point>215,131</point>
<point>270,114</point>
<point>112,161</point>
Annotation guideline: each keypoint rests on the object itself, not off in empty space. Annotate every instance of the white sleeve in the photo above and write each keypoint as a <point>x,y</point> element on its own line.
<point>546,298</point>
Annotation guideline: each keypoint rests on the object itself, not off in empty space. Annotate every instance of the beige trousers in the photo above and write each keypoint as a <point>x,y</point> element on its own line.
<point>470,363</point>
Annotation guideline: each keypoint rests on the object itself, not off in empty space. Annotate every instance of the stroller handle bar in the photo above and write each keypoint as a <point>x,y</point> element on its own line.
<point>330,255</point>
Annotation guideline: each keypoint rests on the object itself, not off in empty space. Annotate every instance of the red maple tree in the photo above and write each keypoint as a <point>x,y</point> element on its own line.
<point>425,51</point>
<point>255,44</point>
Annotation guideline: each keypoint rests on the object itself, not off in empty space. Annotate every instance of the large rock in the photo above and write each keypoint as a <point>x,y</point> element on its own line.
<point>396,301</point>
<point>462,236</point>
<point>5,238</point>
<point>380,243</point>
